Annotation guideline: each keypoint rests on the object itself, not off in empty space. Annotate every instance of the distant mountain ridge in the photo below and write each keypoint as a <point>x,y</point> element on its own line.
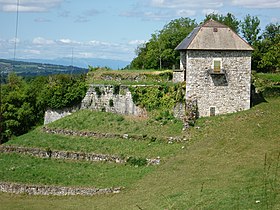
<point>83,62</point>
<point>24,68</point>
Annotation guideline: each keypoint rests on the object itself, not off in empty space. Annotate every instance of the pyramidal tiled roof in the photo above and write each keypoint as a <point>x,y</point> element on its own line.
<point>213,35</point>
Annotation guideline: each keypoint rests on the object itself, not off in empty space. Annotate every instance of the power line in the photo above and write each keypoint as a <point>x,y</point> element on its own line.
<point>16,34</point>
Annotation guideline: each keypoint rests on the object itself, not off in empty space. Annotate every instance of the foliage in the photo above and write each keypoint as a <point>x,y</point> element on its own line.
<point>268,85</point>
<point>158,52</point>
<point>163,97</point>
<point>230,20</point>
<point>250,29</point>
<point>23,103</point>
<point>20,109</point>
<point>64,91</point>
<point>134,161</point>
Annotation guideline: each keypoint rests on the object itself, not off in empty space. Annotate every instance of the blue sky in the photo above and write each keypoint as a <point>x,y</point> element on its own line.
<point>109,29</point>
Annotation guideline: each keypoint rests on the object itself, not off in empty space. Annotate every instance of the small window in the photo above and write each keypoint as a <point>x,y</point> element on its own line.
<point>217,66</point>
<point>215,29</point>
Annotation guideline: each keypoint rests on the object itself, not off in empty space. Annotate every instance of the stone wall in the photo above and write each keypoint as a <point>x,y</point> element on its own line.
<point>53,115</point>
<point>53,190</point>
<point>178,76</point>
<point>220,93</point>
<point>109,98</point>
<point>67,155</point>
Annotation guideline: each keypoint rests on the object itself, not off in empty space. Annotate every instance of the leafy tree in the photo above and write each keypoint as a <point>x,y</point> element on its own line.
<point>229,20</point>
<point>265,57</point>
<point>23,103</point>
<point>159,51</point>
<point>250,29</point>
<point>63,91</point>
<point>15,108</point>
<point>271,31</point>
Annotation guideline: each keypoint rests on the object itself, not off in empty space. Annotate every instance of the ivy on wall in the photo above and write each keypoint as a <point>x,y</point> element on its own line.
<point>160,97</point>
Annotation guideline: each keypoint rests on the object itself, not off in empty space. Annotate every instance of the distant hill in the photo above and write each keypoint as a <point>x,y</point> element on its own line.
<point>24,68</point>
<point>84,62</point>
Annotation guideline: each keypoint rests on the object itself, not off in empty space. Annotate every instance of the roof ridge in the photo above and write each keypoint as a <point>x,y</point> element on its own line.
<point>214,23</point>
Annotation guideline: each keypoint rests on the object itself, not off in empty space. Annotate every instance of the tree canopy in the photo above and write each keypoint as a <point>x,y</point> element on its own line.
<point>159,53</point>
<point>23,103</point>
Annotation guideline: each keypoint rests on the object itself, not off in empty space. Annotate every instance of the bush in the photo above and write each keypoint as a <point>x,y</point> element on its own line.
<point>134,161</point>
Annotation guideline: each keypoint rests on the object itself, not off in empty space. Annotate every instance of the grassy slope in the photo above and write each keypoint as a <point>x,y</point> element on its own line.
<point>231,162</point>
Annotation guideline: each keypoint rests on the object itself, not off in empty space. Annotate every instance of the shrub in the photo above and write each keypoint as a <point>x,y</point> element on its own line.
<point>134,161</point>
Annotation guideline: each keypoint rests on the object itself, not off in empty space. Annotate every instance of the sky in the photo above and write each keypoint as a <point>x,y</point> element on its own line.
<point>109,29</point>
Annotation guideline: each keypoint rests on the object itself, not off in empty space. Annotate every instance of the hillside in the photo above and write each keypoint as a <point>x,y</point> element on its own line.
<point>24,68</point>
<point>228,162</point>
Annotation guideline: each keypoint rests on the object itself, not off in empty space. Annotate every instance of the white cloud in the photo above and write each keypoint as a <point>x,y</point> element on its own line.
<point>40,47</point>
<point>42,41</point>
<point>13,40</point>
<point>136,42</point>
<point>257,3</point>
<point>185,12</point>
<point>68,41</point>
<point>29,5</point>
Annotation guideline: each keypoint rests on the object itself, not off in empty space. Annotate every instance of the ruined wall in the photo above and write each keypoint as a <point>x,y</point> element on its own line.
<point>54,190</point>
<point>53,115</point>
<point>109,98</point>
<point>221,93</point>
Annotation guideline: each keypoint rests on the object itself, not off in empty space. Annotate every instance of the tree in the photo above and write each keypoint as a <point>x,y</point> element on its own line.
<point>159,51</point>
<point>271,31</point>
<point>250,29</point>
<point>229,20</point>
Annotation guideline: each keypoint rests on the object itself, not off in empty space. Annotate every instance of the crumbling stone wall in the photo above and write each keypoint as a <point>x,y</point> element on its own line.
<point>53,115</point>
<point>66,155</point>
<point>107,98</point>
<point>53,190</point>
<point>219,93</point>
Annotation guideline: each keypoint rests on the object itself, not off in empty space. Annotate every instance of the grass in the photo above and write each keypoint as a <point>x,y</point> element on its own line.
<point>231,162</point>
<point>270,77</point>
<point>26,169</point>
<point>129,77</point>
<point>121,147</point>
<point>104,122</point>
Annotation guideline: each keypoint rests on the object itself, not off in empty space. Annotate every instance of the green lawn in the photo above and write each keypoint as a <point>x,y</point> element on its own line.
<point>105,122</point>
<point>121,147</point>
<point>26,169</point>
<point>231,162</point>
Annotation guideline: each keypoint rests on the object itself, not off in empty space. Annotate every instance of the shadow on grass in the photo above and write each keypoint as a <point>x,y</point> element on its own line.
<point>256,98</point>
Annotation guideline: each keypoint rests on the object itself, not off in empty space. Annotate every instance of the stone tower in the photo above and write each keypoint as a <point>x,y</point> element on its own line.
<point>215,63</point>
